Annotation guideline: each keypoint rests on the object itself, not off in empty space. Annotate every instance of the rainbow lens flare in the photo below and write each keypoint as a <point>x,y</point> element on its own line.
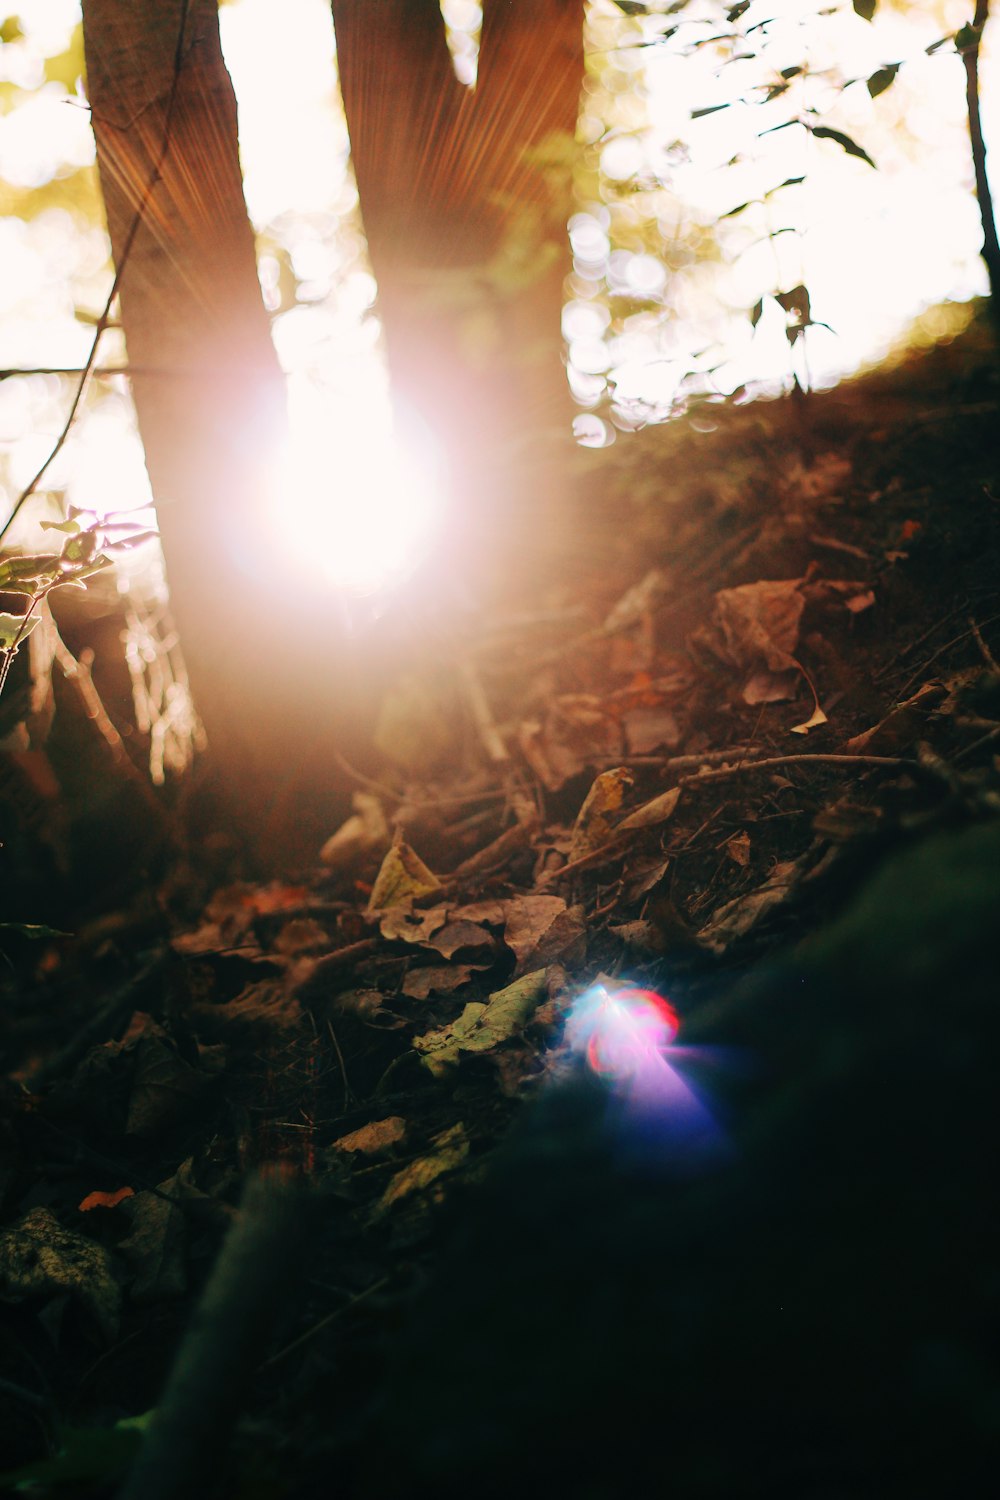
<point>626,1036</point>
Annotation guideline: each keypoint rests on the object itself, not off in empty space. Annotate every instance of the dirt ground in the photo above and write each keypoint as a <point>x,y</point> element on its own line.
<point>765,672</point>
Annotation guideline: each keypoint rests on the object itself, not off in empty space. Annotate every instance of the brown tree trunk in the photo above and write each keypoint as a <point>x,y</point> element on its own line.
<point>209,395</point>
<point>466,233</point>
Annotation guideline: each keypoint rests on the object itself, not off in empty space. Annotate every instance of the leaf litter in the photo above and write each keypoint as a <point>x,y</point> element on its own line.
<point>631,798</point>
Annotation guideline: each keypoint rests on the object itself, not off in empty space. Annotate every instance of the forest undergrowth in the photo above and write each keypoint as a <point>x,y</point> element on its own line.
<point>739,752</point>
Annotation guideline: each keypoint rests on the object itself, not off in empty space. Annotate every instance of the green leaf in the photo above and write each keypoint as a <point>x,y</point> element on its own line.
<point>80,548</point>
<point>28,567</point>
<point>967,38</point>
<point>880,81</point>
<point>827,133</point>
<point>15,628</point>
<point>73,575</point>
<point>711,109</point>
<point>70,527</point>
<point>732,212</point>
<point>865,8</point>
<point>481,1027</point>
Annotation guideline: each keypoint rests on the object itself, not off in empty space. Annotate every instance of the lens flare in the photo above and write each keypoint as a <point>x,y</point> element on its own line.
<point>626,1036</point>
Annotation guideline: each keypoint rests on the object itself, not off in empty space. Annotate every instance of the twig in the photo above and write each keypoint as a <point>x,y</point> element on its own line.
<point>316,1328</point>
<point>885,762</point>
<point>956,641</point>
<point>105,317</point>
<point>984,649</point>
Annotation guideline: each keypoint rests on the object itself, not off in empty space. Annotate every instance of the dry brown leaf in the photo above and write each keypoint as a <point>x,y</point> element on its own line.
<point>578,731</point>
<point>736,918</point>
<point>403,924</point>
<point>462,937</point>
<point>738,847</point>
<point>375,1139</point>
<point>438,979</point>
<point>595,823</point>
<point>901,725</point>
<point>657,810</point>
<point>770,687</point>
<point>365,832</point>
<point>760,622</point>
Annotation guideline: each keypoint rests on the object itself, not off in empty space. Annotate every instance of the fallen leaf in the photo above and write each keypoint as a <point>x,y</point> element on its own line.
<point>657,810</point>
<point>451,1148</point>
<point>301,935</point>
<point>39,1259</point>
<point>365,832</point>
<point>815,719</point>
<point>437,979</point>
<point>770,687</point>
<point>402,876</point>
<point>595,823</point>
<point>104,1200</point>
<point>527,919</point>
<point>760,622</point>
<point>738,847</point>
<point>375,1139</point>
<point>901,725</point>
<point>402,924</point>
<point>468,938</point>
<point>481,1027</point>
<point>155,1250</point>
<point>736,918</point>
<point>578,732</point>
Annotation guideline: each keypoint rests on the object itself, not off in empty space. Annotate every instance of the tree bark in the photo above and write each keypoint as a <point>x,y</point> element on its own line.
<point>209,395</point>
<point>448,182</point>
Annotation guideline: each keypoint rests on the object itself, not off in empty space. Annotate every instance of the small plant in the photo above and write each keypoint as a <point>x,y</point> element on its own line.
<point>86,551</point>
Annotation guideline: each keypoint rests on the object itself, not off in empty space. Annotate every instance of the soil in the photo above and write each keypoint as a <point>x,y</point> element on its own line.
<point>737,749</point>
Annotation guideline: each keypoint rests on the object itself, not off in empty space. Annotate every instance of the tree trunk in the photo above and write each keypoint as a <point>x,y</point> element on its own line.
<point>209,395</point>
<point>466,225</point>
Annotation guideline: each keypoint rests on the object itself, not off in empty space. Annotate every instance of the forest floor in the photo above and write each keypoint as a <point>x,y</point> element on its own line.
<point>770,667</point>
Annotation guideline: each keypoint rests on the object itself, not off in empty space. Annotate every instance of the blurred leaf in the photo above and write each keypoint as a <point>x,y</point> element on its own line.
<point>71,527</point>
<point>968,37</point>
<point>827,133</point>
<point>710,109</point>
<point>880,80</point>
<point>39,1259</point>
<point>34,930</point>
<point>28,567</point>
<point>15,628</point>
<point>104,1200</point>
<point>402,876</point>
<point>865,8</point>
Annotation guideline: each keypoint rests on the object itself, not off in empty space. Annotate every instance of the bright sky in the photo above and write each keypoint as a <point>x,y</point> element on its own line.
<point>874,248</point>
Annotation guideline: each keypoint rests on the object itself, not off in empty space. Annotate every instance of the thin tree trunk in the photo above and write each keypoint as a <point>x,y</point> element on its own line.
<point>447,179</point>
<point>208,390</point>
<point>991,247</point>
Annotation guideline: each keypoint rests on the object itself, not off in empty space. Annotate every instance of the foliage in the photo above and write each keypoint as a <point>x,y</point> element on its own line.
<point>87,550</point>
